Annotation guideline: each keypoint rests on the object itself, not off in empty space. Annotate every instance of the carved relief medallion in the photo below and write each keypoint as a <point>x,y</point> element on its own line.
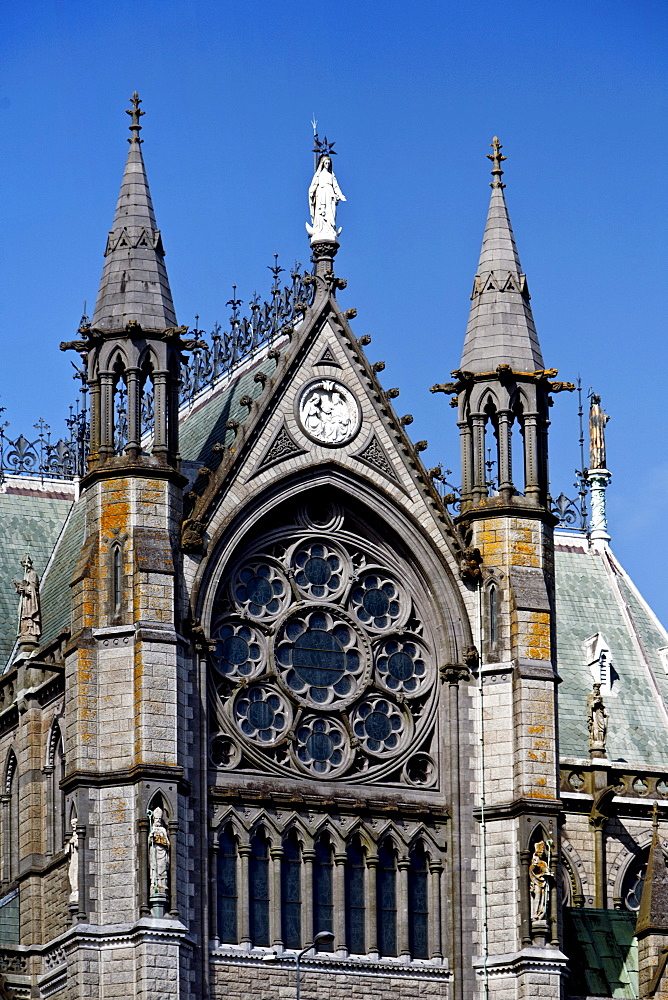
<point>328,412</point>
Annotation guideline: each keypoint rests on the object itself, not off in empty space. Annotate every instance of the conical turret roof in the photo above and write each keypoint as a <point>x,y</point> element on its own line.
<point>500,330</point>
<point>134,284</point>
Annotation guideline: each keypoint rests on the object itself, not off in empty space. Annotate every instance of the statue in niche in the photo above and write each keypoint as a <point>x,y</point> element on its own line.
<point>324,195</point>
<point>158,848</point>
<point>73,866</point>
<point>28,589</point>
<point>597,421</point>
<point>539,879</point>
<point>597,719</point>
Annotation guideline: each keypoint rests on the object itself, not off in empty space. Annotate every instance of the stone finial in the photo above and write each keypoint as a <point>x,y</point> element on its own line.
<point>497,159</point>
<point>135,114</point>
<point>324,194</point>
<point>597,474</point>
<point>597,722</point>
<point>30,627</point>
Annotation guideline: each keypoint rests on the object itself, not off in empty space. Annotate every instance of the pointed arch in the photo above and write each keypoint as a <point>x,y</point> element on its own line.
<point>386,897</point>
<point>259,893</point>
<point>418,900</point>
<point>54,772</point>
<point>291,890</point>
<point>227,854</point>
<point>356,895</point>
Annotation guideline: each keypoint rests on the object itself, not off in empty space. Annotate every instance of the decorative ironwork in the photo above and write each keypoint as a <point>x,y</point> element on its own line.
<point>210,360</point>
<point>574,512</point>
<point>450,495</point>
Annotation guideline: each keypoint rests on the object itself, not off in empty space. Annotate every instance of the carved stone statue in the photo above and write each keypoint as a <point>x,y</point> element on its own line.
<point>158,849</point>
<point>28,588</point>
<point>597,421</point>
<point>597,719</point>
<point>324,195</point>
<point>539,879</point>
<point>329,413</point>
<point>73,866</point>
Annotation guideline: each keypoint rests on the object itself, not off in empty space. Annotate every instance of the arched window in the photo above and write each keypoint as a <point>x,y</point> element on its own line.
<point>634,880</point>
<point>227,887</point>
<point>259,890</point>
<point>493,615</point>
<point>323,908</point>
<point>418,903</point>
<point>291,899</point>
<point>116,580</point>
<point>355,898</point>
<point>57,797</point>
<point>387,900</point>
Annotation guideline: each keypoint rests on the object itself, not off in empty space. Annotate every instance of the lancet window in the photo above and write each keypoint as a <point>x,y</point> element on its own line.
<point>279,875</point>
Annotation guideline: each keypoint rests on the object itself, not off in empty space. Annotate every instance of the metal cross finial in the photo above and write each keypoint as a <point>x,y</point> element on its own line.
<point>497,159</point>
<point>135,114</point>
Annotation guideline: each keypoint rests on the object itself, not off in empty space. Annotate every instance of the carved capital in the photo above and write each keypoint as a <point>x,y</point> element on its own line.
<point>453,673</point>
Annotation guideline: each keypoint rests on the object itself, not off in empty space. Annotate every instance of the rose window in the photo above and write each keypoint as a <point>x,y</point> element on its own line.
<point>319,570</point>
<point>400,666</point>
<point>262,715</point>
<point>376,601</point>
<point>321,657</point>
<point>379,726</point>
<point>261,590</point>
<point>239,651</point>
<point>321,746</point>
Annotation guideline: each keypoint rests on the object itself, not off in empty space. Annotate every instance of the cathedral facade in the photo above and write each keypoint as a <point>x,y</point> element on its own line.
<point>283,711</point>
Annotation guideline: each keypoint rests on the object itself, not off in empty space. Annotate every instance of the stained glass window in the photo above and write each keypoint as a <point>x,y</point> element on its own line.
<point>418,904</point>
<point>259,890</point>
<point>227,887</point>
<point>323,908</point>
<point>387,900</point>
<point>291,898</point>
<point>355,899</point>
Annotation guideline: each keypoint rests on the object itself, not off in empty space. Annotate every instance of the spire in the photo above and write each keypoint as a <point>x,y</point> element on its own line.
<point>134,283</point>
<point>653,912</point>
<point>500,330</point>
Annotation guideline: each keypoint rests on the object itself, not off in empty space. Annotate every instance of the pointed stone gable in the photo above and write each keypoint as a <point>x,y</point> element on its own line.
<point>500,328</point>
<point>653,912</point>
<point>134,284</point>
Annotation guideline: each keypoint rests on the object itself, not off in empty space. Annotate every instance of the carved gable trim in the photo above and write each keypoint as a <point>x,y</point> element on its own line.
<point>282,446</point>
<point>374,454</point>
<point>327,358</point>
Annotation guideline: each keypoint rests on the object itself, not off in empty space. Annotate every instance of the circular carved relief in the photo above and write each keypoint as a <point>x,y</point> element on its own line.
<point>321,658</point>
<point>328,412</point>
<point>262,714</point>
<point>322,747</point>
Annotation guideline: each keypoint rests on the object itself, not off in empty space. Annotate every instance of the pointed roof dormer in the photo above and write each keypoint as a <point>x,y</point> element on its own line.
<point>134,284</point>
<point>500,330</point>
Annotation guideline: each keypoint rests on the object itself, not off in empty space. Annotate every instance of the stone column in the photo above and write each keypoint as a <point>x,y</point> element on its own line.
<point>479,477</point>
<point>244,855</point>
<point>106,416</point>
<point>339,887</point>
<point>598,483</point>
<point>505,455</point>
<point>173,827</point>
<point>465,446</point>
<point>133,445</point>
<point>160,414</point>
<point>372,899</point>
<point>435,924</point>
<point>308,857</point>
<point>213,893</point>
<point>403,921</point>
<point>532,484</point>
<point>142,853</point>
<point>275,929</point>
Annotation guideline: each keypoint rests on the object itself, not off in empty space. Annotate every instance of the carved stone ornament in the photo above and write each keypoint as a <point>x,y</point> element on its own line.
<point>540,875</point>
<point>73,864</point>
<point>597,720</point>
<point>374,454</point>
<point>324,195</point>
<point>328,412</point>
<point>158,850</point>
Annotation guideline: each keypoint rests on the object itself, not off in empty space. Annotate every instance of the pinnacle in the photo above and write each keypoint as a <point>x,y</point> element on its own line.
<point>500,328</point>
<point>134,284</point>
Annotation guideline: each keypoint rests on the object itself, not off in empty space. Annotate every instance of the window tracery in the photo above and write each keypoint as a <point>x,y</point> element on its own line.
<point>323,657</point>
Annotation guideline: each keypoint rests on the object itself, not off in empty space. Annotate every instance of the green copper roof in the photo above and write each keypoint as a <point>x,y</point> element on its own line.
<point>30,524</point>
<point>602,953</point>
<point>593,594</point>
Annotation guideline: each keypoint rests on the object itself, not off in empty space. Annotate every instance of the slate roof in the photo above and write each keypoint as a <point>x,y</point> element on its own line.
<point>603,953</point>
<point>32,521</point>
<point>55,587</point>
<point>594,594</point>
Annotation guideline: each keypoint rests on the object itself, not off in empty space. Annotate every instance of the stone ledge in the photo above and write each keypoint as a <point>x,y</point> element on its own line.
<point>541,960</point>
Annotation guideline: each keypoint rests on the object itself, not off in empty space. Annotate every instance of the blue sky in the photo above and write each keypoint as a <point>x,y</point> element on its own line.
<point>412,94</point>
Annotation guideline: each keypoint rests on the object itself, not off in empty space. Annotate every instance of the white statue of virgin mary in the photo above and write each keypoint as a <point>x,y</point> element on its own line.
<point>324,195</point>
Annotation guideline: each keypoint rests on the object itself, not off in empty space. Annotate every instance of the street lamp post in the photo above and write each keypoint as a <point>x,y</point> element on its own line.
<point>320,936</point>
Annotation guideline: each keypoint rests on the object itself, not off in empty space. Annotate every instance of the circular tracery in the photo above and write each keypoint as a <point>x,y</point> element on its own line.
<point>321,657</point>
<point>260,589</point>
<point>239,650</point>
<point>401,665</point>
<point>319,570</point>
<point>377,602</point>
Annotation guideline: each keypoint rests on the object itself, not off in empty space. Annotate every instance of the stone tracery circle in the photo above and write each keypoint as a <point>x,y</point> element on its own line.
<point>329,412</point>
<point>403,665</point>
<point>262,714</point>
<point>322,747</point>
<point>378,602</point>
<point>380,726</point>
<point>320,569</point>
<point>259,588</point>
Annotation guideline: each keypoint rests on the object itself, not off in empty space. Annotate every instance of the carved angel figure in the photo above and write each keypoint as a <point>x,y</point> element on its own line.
<point>28,589</point>
<point>597,421</point>
<point>324,194</point>
<point>158,845</point>
<point>73,865</point>
<point>597,717</point>
<point>539,876</point>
